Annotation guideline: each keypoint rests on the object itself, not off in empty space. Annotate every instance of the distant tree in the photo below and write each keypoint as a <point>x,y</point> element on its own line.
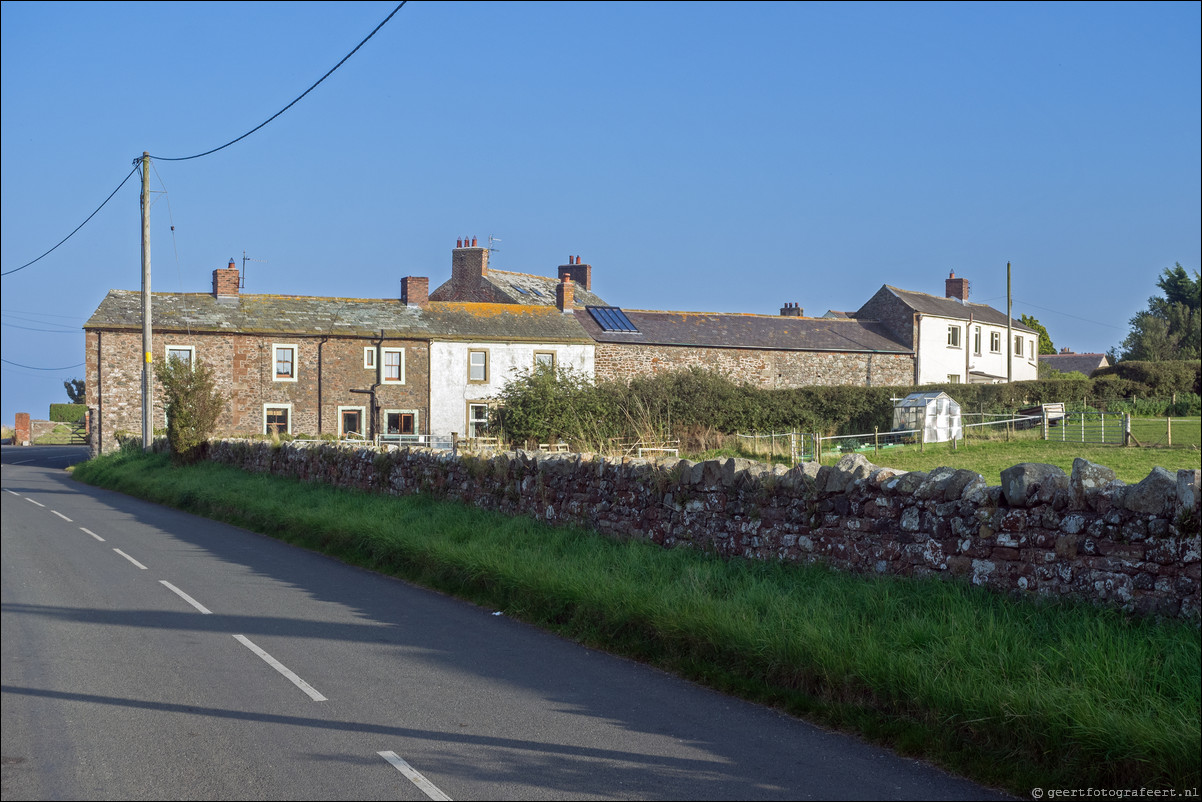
<point>1171,327</point>
<point>75,391</point>
<point>193,406</point>
<point>1045,339</point>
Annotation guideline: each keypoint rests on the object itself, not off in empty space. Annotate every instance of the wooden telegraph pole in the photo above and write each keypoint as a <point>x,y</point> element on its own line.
<point>147,375</point>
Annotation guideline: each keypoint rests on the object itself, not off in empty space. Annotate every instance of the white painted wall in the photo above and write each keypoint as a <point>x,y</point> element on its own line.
<point>937,360</point>
<point>450,390</point>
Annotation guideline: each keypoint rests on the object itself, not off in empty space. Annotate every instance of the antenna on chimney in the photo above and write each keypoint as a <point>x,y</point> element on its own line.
<point>491,240</point>
<point>242,278</point>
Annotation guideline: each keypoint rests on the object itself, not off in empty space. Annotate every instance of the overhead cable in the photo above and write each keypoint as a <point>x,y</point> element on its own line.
<point>81,225</point>
<point>290,105</point>
<point>27,367</point>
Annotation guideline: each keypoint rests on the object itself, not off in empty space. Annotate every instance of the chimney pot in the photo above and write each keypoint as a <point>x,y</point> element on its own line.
<point>473,242</point>
<point>459,243</point>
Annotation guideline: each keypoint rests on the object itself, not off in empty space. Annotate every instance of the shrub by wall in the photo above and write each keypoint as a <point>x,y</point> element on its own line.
<point>68,413</point>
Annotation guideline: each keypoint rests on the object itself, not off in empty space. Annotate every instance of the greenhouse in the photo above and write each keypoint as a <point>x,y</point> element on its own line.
<point>936,415</point>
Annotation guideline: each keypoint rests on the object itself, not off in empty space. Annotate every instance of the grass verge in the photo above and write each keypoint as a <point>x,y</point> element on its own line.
<point>1013,693</point>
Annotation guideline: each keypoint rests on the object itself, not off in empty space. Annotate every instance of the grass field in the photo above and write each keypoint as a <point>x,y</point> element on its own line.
<point>1013,693</point>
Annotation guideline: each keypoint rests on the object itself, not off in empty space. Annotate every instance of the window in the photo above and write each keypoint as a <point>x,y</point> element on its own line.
<point>477,420</point>
<point>611,318</point>
<point>284,357</point>
<point>976,340</point>
<point>995,342</point>
<point>477,366</point>
<point>953,336</point>
<point>1031,348</point>
<point>399,423</point>
<point>277,419</point>
<point>183,353</point>
<point>394,365</point>
<point>1018,346</point>
<point>544,359</point>
<point>351,421</point>
<point>369,358</point>
<point>953,378</point>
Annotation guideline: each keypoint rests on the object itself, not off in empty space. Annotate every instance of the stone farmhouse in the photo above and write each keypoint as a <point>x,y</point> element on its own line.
<point>426,366</point>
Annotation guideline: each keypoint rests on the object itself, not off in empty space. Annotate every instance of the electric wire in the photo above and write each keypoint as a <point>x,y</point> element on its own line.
<point>179,274</point>
<point>81,225</point>
<point>293,103</point>
<point>28,367</point>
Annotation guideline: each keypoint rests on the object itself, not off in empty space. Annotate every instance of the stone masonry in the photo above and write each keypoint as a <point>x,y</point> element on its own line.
<point>1041,532</point>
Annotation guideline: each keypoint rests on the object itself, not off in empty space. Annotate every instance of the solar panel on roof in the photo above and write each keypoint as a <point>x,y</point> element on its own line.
<point>611,318</point>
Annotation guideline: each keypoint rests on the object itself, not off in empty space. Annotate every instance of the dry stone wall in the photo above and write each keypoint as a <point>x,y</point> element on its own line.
<point>1041,531</point>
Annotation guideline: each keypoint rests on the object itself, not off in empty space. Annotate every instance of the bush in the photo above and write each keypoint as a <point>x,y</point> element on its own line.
<point>193,406</point>
<point>68,413</point>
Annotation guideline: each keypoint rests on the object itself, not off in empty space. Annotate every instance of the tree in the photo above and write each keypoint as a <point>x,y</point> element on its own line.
<point>75,391</point>
<point>1171,327</point>
<point>193,406</point>
<point>1045,339</point>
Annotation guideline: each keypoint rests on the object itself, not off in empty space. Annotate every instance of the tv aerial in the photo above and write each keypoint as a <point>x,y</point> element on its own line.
<point>245,259</point>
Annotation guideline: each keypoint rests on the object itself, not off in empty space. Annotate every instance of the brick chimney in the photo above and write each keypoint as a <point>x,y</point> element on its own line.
<point>791,310</point>
<point>469,263</point>
<point>415,291</point>
<point>564,294</point>
<point>956,287</point>
<point>225,282</point>
<point>581,274</point>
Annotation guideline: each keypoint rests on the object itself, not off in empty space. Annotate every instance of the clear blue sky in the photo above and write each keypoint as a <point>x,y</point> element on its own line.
<point>701,156</point>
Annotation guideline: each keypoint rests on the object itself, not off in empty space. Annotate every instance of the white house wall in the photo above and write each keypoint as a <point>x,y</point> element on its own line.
<point>937,361</point>
<point>451,391</point>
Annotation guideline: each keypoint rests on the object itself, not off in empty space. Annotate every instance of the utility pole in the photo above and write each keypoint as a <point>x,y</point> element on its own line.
<point>147,349</point>
<point>1009,330</point>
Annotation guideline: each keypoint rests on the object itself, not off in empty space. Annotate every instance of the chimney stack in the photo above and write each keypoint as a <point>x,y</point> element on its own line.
<point>956,287</point>
<point>415,291</point>
<point>225,282</point>
<point>581,274</point>
<point>469,263</point>
<point>564,294</point>
<point>791,310</point>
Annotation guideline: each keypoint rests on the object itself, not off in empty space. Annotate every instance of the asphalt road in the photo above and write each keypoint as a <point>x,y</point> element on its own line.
<point>151,654</point>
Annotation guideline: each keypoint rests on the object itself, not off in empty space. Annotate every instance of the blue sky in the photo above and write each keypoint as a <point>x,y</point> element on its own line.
<point>701,156</point>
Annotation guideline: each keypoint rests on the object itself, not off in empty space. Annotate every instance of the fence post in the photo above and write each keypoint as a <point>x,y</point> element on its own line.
<point>817,448</point>
<point>1045,423</point>
<point>1126,428</point>
<point>1168,429</point>
<point>454,443</point>
<point>876,440</point>
<point>922,439</point>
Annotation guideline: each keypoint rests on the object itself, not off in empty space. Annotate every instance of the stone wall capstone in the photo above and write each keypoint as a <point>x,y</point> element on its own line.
<point>1084,535</point>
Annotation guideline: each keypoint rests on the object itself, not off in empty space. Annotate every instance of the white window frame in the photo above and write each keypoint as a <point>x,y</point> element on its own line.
<point>953,336</point>
<point>953,378</point>
<point>554,358</point>
<point>275,349</point>
<point>995,342</point>
<point>976,340</point>
<point>383,367</point>
<point>471,421</point>
<point>369,358</point>
<point>472,352</point>
<point>362,417</point>
<point>1018,345</point>
<point>277,406</point>
<point>191,349</point>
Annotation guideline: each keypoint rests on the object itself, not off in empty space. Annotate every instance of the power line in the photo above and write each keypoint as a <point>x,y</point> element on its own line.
<point>27,367</point>
<point>293,103</point>
<point>81,225</point>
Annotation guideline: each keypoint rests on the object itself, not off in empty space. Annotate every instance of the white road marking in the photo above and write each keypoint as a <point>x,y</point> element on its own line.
<point>428,788</point>
<point>93,534</point>
<point>131,559</point>
<point>185,597</point>
<point>31,501</point>
<point>20,462</point>
<point>14,492</point>
<point>280,667</point>
<point>60,515</point>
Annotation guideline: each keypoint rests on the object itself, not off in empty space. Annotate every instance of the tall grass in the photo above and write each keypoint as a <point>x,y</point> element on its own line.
<point>1017,693</point>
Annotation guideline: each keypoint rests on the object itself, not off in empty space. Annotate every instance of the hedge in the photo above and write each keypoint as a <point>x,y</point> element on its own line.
<point>68,413</point>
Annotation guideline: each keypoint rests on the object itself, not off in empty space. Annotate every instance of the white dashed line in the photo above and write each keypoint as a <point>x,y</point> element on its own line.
<point>31,501</point>
<point>280,667</point>
<point>185,597</point>
<point>93,534</point>
<point>428,788</point>
<point>131,559</point>
<point>14,492</point>
<point>60,515</point>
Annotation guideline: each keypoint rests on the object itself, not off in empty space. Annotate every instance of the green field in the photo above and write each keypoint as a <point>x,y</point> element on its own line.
<point>1013,693</point>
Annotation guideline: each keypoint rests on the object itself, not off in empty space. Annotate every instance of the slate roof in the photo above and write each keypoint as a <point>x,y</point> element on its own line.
<point>525,288</point>
<point>953,308</point>
<point>716,330</point>
<point>306,315</point>
<point>1082,363</point>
